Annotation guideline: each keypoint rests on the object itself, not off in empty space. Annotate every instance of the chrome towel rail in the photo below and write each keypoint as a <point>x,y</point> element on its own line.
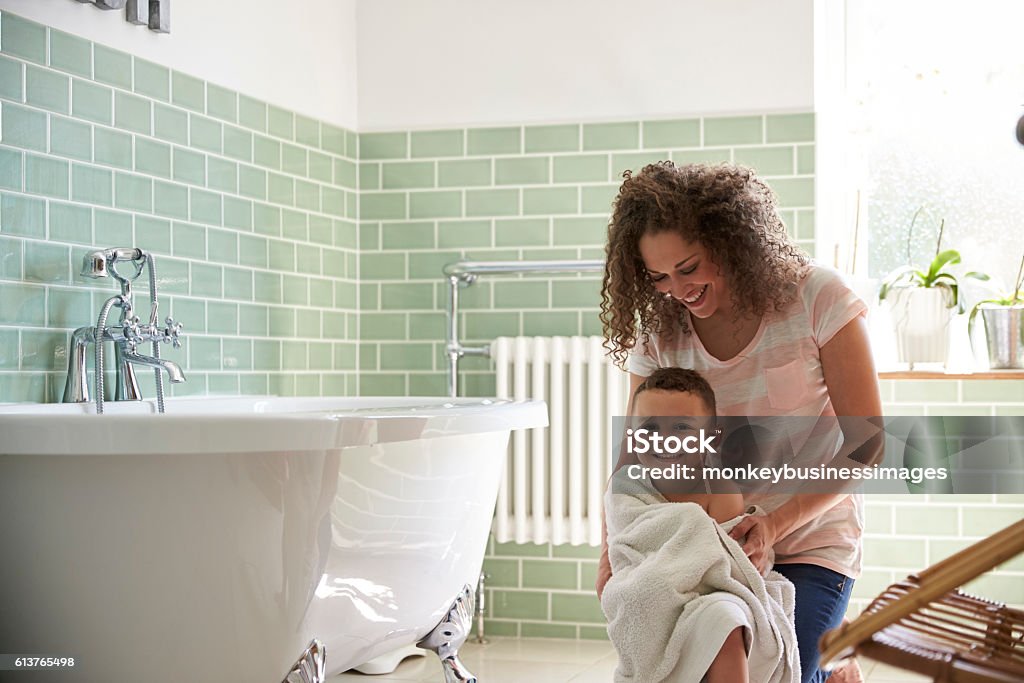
<point>464,274</point>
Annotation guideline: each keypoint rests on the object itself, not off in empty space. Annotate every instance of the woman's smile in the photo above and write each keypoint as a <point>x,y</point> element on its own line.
<point>684,271</point>
<point>692,300</point>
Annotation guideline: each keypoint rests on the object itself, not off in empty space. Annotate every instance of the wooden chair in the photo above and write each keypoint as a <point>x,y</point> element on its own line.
<point>925,624</point>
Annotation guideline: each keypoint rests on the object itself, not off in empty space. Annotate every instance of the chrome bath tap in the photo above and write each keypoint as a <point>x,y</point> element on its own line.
<point>126,335</point>
<point>174,372</point>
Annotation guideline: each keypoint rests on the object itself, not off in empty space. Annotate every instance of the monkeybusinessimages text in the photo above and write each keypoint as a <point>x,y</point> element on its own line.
<point>644,441</point>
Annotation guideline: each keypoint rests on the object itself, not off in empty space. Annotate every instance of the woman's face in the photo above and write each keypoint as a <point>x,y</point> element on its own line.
<point>684,271</point>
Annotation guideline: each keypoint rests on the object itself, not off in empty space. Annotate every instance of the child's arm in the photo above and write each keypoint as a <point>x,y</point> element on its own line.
<point>604,565</point>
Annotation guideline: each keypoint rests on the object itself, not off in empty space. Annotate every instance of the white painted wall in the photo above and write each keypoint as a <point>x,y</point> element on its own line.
<point>301,56</point>
<point>476,62</point>
<point>464,62</point>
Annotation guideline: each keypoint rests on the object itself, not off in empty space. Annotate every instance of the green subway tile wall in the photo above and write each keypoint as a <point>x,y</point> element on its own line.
<point>249,209</point>
<point>523,192</point>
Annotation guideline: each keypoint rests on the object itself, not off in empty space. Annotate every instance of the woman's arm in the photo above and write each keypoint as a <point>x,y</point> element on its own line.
<point>852,383</point>
<point>604,565</point>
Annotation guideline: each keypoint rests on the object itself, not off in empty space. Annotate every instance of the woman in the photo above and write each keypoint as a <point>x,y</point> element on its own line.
<point>701,274</point>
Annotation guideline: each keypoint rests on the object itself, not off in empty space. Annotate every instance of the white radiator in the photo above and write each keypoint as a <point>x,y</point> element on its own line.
<point>555,477</point>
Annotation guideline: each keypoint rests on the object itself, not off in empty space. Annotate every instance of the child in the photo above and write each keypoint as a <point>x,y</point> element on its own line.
<point>679,402</point>
<point>684,603</point>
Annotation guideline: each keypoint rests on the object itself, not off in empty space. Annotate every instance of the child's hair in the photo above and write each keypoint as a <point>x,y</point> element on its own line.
<point>677,379</point>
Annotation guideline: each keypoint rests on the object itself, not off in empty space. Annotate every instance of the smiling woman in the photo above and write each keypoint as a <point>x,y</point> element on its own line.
<point>678,229</point>
<point>701,275</point>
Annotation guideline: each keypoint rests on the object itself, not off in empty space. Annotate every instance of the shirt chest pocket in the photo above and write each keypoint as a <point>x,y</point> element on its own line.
<point>786,385</point>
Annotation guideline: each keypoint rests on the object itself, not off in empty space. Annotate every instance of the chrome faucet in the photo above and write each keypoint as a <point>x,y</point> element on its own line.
<point>174,372</point>
<point>126,334</point>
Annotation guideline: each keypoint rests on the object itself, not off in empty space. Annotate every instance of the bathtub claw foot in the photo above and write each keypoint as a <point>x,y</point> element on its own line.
<point>455,671</point>
<point>448,636</point>
<point>311,666</point>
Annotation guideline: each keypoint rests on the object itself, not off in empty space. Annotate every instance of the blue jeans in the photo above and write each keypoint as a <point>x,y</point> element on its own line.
<point>821,599</point>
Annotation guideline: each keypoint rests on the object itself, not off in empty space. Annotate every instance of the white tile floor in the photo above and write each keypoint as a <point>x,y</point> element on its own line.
<point>541,660</point>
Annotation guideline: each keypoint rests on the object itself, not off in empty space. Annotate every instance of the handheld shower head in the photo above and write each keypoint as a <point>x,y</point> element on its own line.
<point>94,265</point>
<point>99,264</point>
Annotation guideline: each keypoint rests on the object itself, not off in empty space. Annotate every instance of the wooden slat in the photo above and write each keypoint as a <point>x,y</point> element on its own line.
<point>920,623</point>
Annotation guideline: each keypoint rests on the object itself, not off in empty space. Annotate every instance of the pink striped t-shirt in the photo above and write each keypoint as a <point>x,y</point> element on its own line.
<point>779,373</point>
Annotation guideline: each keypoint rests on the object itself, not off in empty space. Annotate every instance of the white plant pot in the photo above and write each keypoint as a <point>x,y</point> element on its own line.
<point>921,318</point>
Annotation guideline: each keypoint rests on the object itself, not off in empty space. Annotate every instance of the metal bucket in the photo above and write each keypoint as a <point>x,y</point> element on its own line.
<point>1004,328</point>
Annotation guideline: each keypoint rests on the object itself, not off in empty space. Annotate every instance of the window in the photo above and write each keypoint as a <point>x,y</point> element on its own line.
<point>933,91</point>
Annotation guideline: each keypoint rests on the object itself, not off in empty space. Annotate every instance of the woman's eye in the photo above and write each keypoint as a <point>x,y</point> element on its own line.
<point>658,278</point>
<point>688,271</point>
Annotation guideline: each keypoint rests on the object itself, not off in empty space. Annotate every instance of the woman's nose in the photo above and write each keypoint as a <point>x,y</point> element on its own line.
<point>677,287</point>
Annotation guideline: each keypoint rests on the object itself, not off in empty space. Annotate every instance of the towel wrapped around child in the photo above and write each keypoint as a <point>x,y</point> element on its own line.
<point>680,585</point>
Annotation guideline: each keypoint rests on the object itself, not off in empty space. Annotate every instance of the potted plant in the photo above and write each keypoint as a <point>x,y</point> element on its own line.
<point>923,302</point>
<point>1004,325</point>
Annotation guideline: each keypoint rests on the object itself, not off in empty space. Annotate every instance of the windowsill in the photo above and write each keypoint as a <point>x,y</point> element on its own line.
<point>938,374</point>
<point>963,362</point>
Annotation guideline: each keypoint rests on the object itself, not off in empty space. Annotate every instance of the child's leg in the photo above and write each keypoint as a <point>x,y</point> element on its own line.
<point>730,666</point>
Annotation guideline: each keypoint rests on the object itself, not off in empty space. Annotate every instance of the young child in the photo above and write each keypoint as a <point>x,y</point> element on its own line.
<point>679,402</point>
<point>677,579</point>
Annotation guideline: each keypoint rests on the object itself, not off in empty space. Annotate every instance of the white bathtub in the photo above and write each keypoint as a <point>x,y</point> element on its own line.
<point>214,542</point>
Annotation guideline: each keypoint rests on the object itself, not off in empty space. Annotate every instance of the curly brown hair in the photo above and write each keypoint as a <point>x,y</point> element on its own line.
<point>729,211</point>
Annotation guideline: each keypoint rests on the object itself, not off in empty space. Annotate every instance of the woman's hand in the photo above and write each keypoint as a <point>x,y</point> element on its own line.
<point>761,533</point>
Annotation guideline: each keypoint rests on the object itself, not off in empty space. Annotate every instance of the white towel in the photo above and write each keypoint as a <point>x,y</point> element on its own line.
<point>680,585</point>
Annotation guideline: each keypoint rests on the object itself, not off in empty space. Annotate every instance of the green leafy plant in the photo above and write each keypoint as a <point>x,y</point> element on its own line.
<point>1011,298</point>
<point>936,274</point>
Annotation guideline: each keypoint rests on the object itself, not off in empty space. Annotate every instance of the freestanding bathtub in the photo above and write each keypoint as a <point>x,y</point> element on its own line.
<point>218,541</point>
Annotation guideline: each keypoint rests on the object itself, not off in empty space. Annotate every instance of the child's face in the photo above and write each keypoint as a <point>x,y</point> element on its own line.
<point>671,413</point>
